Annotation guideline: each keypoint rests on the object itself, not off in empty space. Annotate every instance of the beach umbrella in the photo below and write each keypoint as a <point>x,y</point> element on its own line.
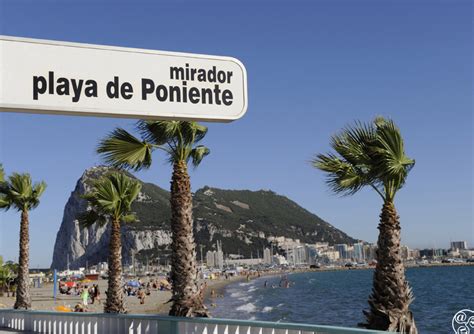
<point>63,308</point>
<point>134,284</point>
<point>164,282</point>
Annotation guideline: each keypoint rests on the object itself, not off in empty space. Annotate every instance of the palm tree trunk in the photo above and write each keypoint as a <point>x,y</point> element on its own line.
<point>391,295</point>
<point>115,302</point>
<point>187,299</point>
<point>23,299</point>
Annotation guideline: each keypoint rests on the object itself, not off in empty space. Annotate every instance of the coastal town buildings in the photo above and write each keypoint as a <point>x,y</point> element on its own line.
<point>432,253</point>
<point>284,251</point>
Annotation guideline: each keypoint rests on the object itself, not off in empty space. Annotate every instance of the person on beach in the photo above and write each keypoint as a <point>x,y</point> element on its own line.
<point>79,308</point>
<point>265,284</point>
<point>141,296</point>
<point>92,294</point>
<point>85,296</point>
<point>97,293</point>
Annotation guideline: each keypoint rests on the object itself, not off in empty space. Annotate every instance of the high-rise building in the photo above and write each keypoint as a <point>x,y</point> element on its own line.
<point>406,253</point>
<point>330,255</point>
<point>210,259</point>
<point>267,256</point>
<point>370,252</point>
<point>215,259</point>
<point>458,245</point>
<point>343,250</point>
<point>296,255</point>
<point>359,254</point>
<point>312,253</point>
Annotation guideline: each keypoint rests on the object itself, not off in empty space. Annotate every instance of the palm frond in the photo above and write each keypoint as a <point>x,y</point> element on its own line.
<point>158,132</point>
<point>176,138</point>
<point>391,163</point>
<point>37,190</point>
<point>2,173</point>
<point>342,177</point>
<point>367,155</point>
<point>130,218</point>
<point>192,132</point>
<point>353,141</point>
<point>122,150</point>
<point>111,198</point>
<point>19,192</point>
<point>5,204</point>
<point>198,153</point>
<point>91,217</point>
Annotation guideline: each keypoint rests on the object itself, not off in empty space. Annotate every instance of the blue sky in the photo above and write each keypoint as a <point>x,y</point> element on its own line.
<point>313,67</point>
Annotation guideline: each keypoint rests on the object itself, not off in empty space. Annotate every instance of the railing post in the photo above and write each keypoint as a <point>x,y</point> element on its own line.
<point>174,327</point>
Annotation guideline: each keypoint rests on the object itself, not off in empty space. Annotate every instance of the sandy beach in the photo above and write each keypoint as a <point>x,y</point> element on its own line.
<point>155,303</point>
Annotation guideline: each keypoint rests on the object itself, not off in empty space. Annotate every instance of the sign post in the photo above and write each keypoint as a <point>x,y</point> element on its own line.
<point>41,76</point>
<point>55,275</point>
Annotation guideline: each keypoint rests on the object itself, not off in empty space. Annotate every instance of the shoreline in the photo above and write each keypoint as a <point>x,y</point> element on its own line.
<point>42,298</point>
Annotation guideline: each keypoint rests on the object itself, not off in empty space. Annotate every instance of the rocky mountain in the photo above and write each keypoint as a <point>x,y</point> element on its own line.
<point>241,219</point>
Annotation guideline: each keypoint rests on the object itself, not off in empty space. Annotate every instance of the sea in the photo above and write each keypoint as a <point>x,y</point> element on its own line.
<point>337,298</point>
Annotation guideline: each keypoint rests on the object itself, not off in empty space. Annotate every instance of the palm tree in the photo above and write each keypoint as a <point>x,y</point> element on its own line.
<point>12,268</point>
<point>20,193</point>
<point>110,201</point>
<point>373,155</point>
<point>6,277</point>
<point>178,139</point>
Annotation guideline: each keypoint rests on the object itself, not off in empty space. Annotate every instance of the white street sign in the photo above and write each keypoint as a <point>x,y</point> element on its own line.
<point>41,76</point>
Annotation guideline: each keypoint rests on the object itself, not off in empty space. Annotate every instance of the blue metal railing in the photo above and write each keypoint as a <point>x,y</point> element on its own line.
<point>54,322</point>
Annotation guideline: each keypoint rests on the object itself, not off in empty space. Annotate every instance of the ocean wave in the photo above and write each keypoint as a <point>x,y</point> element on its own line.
<point>280,305</point>
<point>245,298</point>
<point>249,307</point>
<point>236,294</point>
<point>267,309</point>
<point>244,284</point>
<point>252,289</point>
